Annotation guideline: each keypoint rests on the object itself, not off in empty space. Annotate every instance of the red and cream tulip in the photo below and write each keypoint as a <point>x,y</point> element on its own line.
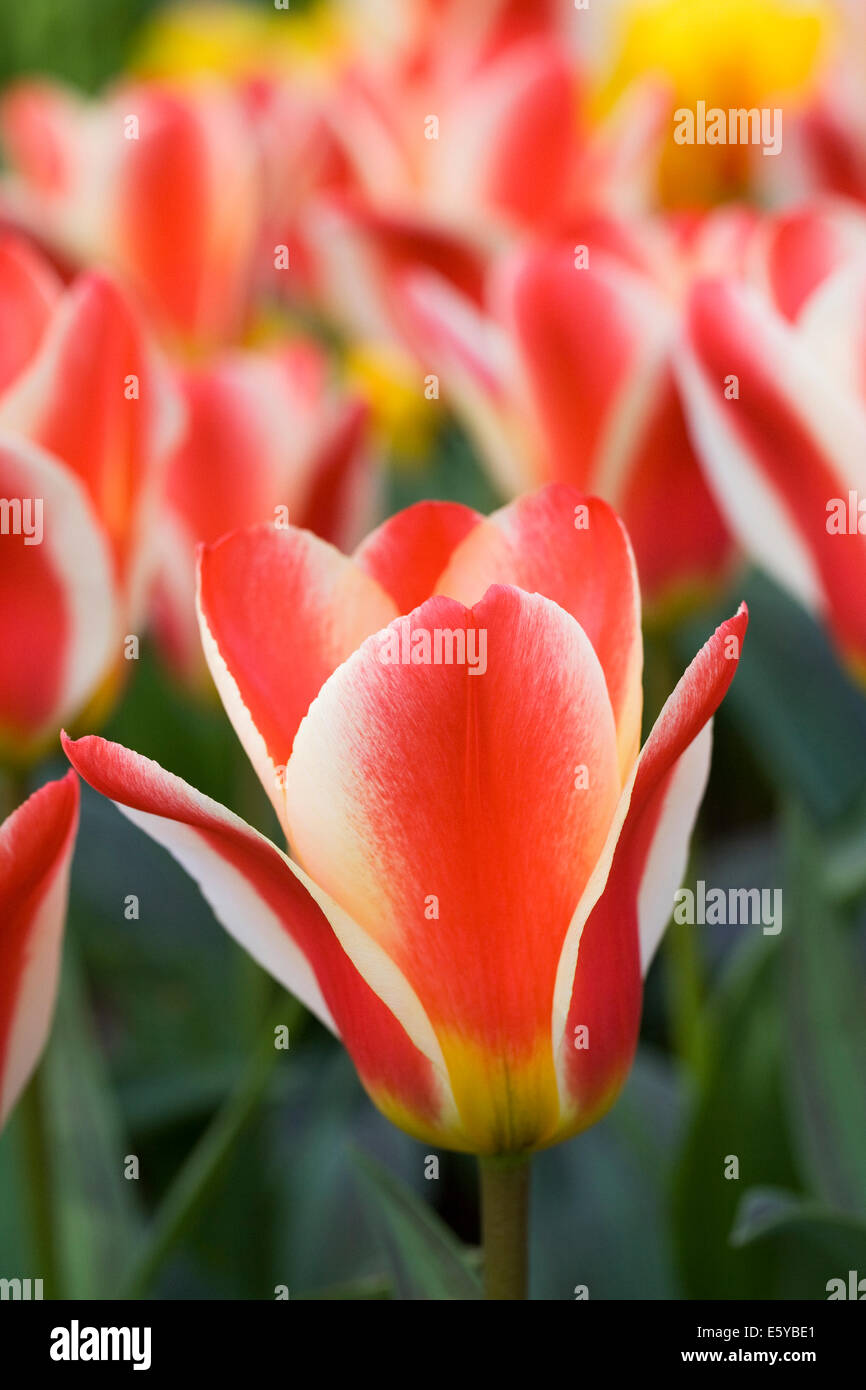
<point>36,845</point>
<point>162,185</point>
<point>87,417</point>
<point>777,410</point>
<point>568,372</point>
<point>266,437</point>
<point>568,376</point>
<point>467,132</point>
<point>481,858</point>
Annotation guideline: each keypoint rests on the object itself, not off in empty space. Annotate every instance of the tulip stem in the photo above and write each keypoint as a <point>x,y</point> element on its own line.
<point>505,1225</point>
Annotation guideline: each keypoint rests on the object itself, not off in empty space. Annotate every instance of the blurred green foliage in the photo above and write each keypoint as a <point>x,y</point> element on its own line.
<point>85,42</point>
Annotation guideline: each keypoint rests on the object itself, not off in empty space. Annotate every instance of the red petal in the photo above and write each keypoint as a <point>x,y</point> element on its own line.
<point>36,844</point>
<point>29,290</point>
<point>624,924</point>
<point>574,550</point>
<point>280,610</point>
<point>263,901</point>
<point>408,553</point>
<point>412,780</point>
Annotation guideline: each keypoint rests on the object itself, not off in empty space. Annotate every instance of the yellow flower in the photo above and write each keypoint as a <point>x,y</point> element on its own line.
<point>729,54</point>
<point>188,42</point>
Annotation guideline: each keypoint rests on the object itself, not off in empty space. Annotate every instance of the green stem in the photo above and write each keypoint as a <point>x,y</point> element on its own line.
<point>505,1225</point>
<point>37,1166</point>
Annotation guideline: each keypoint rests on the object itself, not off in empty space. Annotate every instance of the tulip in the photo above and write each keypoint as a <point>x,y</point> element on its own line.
<point>568,375</point>
<point>36,845</point>
<point>777,409</point>
<point>266,438</point>
<point>485,119</point>
<point>87,417</point>
<point>481,859</point>
<point>455,140</point>
<point>830,135</point>
<point>567,372</point>
<point>833,140</point>
<point>161,185</point>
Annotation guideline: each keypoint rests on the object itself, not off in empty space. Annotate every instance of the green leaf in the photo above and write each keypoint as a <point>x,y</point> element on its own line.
<point>826,1030</point>
<point>767,1211</point>
<point>815,1244</point>
<point>321,1240</point>
<point>200,1174</point>
<point>425,1259</point>
<point>739,1111</point>
<point>844,855</point>
<point>370,1288</point>
<point>95,1215</point>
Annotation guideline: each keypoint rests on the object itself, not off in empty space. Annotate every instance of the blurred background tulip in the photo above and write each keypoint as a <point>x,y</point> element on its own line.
<point>266,435</point>
<point>88,416</point>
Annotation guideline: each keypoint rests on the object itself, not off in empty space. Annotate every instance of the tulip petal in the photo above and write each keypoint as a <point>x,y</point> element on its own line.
<point>196,156</point>
<point>276,914</point>
<point>592,391</point>
<point>475,360</point>
<point>780,453</point>
<point>338,477</point>
<point>279,610</point>
<point>620,920</point>
<point>229,470</point>
<point>29,290</point>
<point>39,122</point>
<point>834,149</point>
<point>408,552</point>
<point>803,247</point>
<point>391,246</point>
<point>680,539</point>
<point>574,550</point>
<point>833,324</point>
<point>608,408</point>
<point>58,604</point>
<point>232,464</point>
<point>517,141</point>
<point>456,817</point>
<point>36,844</point>
<point>262,440</point>
<point>96,398</point>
